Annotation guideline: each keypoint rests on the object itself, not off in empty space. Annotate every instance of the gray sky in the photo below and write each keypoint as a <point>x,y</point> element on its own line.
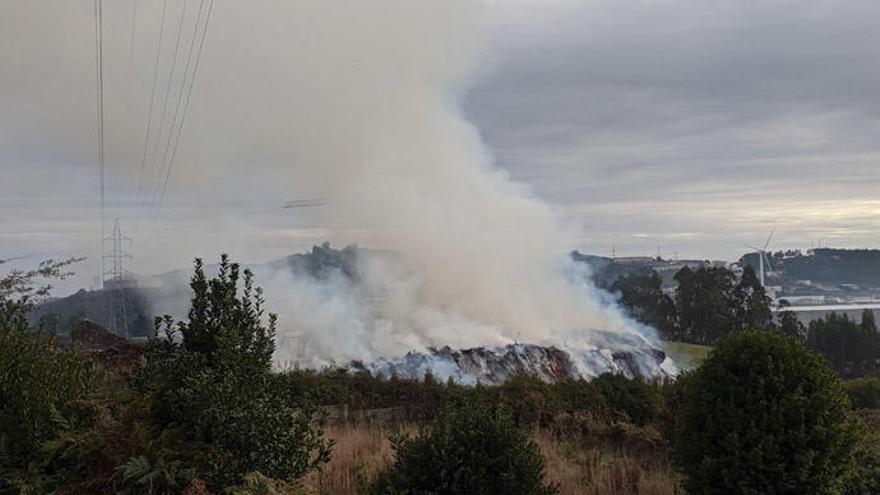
<point>689,126</point>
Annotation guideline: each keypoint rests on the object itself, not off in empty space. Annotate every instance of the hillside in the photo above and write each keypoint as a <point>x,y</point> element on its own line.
<point>824,267</point>
<point>169,292</point>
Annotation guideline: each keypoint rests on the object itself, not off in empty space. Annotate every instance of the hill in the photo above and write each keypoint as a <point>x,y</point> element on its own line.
<point>824,267</point>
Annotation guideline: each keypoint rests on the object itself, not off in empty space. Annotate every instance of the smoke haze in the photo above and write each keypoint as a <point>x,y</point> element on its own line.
<point>377,129</point>
<point>356,107</point>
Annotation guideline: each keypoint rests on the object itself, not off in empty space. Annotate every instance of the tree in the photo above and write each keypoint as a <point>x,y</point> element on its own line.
<point>37,380</point>
<point>851,346</point>
<point>751,303</point>
<point>789,325</point>
<point>215,386</point>
<point>471,448</point>
<point>764,415</point>
<point>703,300</point>
<point>643,298</point>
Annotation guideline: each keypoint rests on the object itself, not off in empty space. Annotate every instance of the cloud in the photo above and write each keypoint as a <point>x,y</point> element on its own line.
<point>718,119</point>
<point>681,114</point>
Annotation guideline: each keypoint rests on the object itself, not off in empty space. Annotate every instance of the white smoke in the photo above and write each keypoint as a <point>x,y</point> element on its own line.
<point>356,106</point>
<point>378,134</point>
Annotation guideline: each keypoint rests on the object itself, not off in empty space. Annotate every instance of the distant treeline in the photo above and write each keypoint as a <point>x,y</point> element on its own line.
<point>825,266</point>
<point>198,409</point>
<point>711,303</point>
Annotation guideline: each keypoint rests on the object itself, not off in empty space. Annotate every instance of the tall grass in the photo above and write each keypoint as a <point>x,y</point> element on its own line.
<point>360,451</point>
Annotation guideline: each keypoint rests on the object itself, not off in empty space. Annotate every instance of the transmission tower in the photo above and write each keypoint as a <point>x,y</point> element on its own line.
<point>117,279</point>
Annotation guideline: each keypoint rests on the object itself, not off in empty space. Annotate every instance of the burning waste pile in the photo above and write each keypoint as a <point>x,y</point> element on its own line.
<point>340,274</point>
<point>496,365</point>
<point>369,125</point>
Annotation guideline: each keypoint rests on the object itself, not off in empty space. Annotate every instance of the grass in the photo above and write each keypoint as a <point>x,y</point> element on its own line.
<point>593,470</point>
<point>579,469</point>
<point>686,356</point>
<point>359,452</point>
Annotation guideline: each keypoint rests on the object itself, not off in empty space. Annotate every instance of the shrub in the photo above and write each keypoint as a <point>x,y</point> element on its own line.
<point>577,395</point>
<point>257,484</point>
<point>470,448</point>
<point>764,415</point>
<point>629,399</point>
<point>215,384</point>
<point>36,384</point>
<point>527,396</point>
<point>864,393</point>
<point>865,478</point>
<point>37,380</point>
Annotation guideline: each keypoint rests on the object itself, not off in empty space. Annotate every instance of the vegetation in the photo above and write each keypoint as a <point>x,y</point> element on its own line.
<point>470,448</point>
<point>711,303</point>
<point>215,386</point>
<point>852,347</point>
<point>36,386</point>
<point>643,297</point>
<point>204,413</point>
<point>686,356</point>
<point>578,465</point>
<point>764,415</point>
<point>864,393</point>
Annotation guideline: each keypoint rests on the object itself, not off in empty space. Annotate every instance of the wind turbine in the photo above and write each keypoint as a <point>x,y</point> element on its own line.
<point>762,256</point>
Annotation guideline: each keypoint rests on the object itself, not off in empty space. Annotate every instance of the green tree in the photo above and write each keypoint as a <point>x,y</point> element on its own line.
<point>751,305</point>
<point>789,325</point>
<point>37,379</point>
<point>704,303</point>
<point>215,384</point>
<point>471,448</point>
<point>763,415</point>
<point>852,347</point>
<point>643,298</point>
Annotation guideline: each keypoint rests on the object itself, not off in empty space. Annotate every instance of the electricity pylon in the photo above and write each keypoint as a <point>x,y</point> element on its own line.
<point>115,279</point>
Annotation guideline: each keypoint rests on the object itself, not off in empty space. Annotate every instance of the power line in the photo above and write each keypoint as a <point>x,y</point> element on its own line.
<point>134,12</point>
<point>186,106</point>
<point>152,102</point>
<point>183,81</point>
<point>99,80</point>
<point>168,88</point>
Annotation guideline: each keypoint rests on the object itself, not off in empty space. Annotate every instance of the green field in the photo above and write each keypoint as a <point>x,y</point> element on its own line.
<point>686,356</point>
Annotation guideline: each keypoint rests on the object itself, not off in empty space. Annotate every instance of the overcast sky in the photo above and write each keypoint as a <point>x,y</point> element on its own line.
<point>688,126</point>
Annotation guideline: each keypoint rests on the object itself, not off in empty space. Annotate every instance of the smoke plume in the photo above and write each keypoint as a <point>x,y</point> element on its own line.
<point>379,137</point>
<point>351,112</point>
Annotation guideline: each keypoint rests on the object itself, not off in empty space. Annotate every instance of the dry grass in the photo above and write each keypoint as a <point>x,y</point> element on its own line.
<point>361,451</point>
<point>582,470</point>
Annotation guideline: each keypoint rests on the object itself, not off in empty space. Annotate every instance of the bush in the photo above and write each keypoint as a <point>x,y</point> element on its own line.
<point>628,399</point>
<point>215,385</point>
<point>865,478</point>
<point>864,393</point>
<point>36,384</point>
<point>577,395</point>
<point>257,484</point>
<point>527,396</point>
<point>37,380</point>
<point>470,448</point>
<point>764,415</point>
